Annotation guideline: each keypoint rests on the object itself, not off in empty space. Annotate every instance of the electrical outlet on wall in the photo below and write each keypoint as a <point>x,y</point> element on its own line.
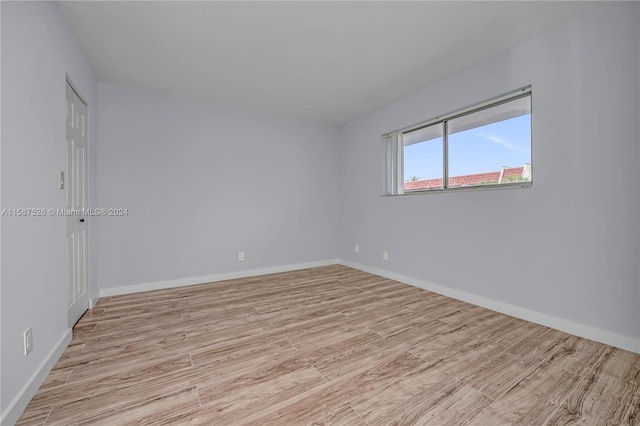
<point>27,339</point>
<point>241,256</point>
<point>356,249</point>
<point>385,255</point>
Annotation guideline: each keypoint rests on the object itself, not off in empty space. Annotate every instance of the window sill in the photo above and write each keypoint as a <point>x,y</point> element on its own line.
<point>465,189</point>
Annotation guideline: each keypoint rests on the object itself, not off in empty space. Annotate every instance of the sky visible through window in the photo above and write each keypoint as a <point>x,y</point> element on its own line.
<point>478,150</point>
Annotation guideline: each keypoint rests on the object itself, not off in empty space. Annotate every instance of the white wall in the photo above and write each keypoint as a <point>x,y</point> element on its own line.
<point>567,248</point>
<point>202,182</point>
<point>38,52</point>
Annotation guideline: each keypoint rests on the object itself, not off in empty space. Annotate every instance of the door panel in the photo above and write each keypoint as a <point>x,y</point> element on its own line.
<point>77,202</point>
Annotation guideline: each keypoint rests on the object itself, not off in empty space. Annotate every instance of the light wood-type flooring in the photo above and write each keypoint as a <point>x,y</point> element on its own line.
<point>327,346</point>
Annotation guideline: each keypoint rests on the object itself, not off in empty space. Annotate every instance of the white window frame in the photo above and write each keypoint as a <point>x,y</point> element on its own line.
<point>394,149</point>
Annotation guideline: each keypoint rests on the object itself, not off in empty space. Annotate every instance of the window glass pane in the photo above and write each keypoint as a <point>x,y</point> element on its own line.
<point>423,158</point>
<point>491,146</point>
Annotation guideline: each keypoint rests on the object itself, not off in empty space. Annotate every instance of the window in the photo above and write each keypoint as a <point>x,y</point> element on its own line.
<point>487,145</point>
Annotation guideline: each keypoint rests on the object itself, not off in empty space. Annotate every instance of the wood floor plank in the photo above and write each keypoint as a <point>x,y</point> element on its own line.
<point>578,355</point>
<point>365,349</point>
<point>327,346</point>
<point>509,331</point>
<point>495,377</point>
<point>313,405</point>
<point>227,355</point>
<point>399,321</point>
<point>87,389</point>
<point>35,416</point>
<point>163,410</point>
<point>541,341</point>
<point>344,416</point>
<point>437,307</point>
<point>605,394</point>
<point>134,371</point>
<point>632,416</point>
<point>533,400</point>
<point>57,377</point>
<point>78,406</point>
<point>253,393</point>
<point>424,382</point>
<point>455,406</point>
<point>449,340</point>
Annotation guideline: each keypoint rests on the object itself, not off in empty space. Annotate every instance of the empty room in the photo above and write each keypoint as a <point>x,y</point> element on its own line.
<point>320,213</point>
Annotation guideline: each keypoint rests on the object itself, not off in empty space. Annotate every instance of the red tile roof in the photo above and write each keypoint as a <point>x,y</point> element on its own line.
<point>465,180</point>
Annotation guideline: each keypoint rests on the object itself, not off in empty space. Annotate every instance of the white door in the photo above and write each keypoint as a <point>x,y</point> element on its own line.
<point>77,202</point>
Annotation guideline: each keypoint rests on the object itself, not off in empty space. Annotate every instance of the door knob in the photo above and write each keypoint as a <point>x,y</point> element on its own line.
<point>82,220</point>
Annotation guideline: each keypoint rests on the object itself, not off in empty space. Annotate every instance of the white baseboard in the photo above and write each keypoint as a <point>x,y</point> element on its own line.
<point>15,409</point>
<point>567,326</point>
<point>161,285</point>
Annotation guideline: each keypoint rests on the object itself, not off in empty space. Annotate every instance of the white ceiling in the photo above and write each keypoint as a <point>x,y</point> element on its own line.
<point>327,62</point>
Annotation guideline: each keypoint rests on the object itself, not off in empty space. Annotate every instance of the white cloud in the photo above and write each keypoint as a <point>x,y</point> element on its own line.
<point>507,144</point>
